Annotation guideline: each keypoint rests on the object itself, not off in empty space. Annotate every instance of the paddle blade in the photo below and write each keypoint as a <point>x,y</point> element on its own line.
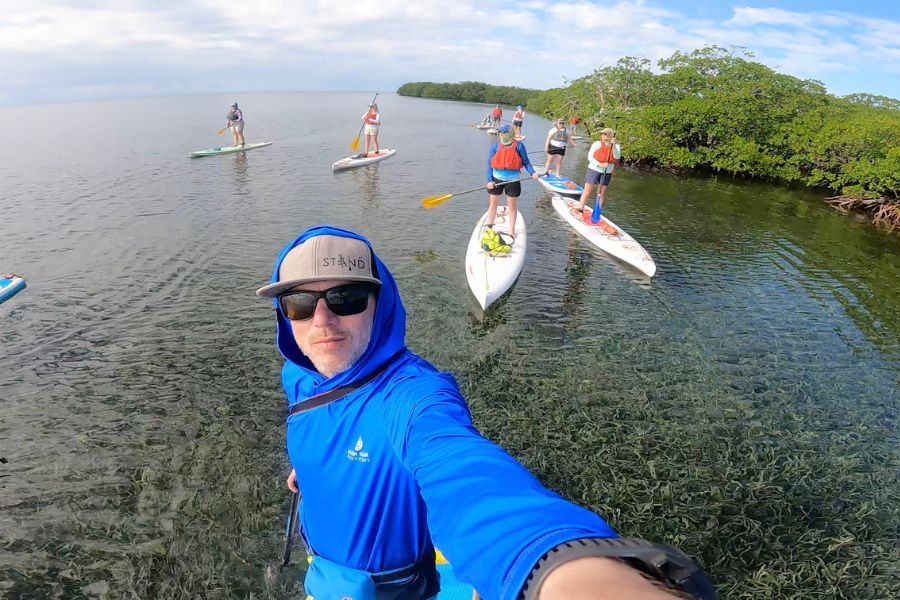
<point>221,131</point>
<point>432,201</point>
<point>595,216</point>
<point>355,144</point>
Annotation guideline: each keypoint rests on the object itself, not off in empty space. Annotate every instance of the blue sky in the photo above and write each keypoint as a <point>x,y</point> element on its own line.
<point>65,50</point>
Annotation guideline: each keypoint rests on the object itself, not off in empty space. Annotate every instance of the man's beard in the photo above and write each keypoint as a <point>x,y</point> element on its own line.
<point>330,369</point>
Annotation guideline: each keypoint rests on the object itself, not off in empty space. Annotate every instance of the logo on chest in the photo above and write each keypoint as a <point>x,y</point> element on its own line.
<point>357,453</point>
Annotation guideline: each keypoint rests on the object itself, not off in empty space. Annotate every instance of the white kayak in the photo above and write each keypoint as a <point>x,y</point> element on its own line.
<point>490,276</point>
<point>10,285</point>
<point>229,149</point>
<point>606,235</point>
<point>360,160</point>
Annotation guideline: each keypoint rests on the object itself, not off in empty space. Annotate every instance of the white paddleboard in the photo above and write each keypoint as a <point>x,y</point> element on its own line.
<point>359,160</point>
<point>480,126</point>
<point>491,276</point>
<point>606,235</point>
<point>229,149</point>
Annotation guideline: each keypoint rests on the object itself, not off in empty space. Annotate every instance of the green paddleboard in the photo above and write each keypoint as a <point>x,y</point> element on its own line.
<point>229,149</point>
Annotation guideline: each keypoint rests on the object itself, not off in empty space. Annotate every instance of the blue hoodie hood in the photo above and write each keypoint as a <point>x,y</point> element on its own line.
<point>299,376</point>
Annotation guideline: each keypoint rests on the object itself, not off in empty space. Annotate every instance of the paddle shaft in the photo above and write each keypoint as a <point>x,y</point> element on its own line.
<point>433,201</point>
<point>355,143</point>
<point>484,188</point>
<point>289,531</point>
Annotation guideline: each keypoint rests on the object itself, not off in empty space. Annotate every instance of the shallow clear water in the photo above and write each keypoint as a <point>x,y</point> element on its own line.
<point>741,405</point>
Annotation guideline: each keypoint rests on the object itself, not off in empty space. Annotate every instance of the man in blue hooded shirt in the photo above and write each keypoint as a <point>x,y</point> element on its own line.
<point>384,451</point>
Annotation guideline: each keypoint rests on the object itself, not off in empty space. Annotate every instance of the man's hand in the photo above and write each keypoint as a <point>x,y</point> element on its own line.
<point>292,482</point>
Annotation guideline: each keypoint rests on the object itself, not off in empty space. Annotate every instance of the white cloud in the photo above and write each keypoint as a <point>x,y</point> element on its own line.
<point>268,44</point>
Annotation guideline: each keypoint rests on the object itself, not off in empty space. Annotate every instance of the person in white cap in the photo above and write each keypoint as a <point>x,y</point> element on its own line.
<point>383,448</point>
<point>517,120</point>
<point>603,157</point>
<point>555,147</point>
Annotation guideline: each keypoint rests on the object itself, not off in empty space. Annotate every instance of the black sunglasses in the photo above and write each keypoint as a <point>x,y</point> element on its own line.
<point>342,300</point>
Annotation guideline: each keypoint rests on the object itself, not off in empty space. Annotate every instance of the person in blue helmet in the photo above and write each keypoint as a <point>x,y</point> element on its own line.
<point>383,449</point>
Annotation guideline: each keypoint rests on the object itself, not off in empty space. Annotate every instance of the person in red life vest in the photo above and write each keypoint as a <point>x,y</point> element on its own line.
<point>573,125</point>
<point>372,119</point>
<point>603,156</point>
<point>504,163</point>
<point>496,115</point>
<point>555,146</point>
<point>518,118</point>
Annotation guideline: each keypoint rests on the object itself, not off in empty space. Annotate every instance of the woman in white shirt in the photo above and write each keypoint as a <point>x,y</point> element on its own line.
<point>555,146</point>
<point>603,156</point>
<point>372,120</point>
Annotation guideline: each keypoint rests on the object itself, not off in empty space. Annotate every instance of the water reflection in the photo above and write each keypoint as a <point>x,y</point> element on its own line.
<point>367,180</point>
<point>241,170</point>
<point>577,272</point>
<point>484,321</point>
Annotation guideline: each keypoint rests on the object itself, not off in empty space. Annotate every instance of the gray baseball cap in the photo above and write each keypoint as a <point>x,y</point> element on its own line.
<point>322,258</point>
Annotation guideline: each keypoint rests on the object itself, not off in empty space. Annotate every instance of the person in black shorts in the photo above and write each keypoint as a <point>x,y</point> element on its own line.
<point>603,157</point>
<point>518,119</point>
<point>505,161</point>
<point>555,146</point>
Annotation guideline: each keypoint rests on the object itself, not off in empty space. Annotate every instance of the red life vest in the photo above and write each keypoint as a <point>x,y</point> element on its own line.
<point>604,154</point>
<point>371,119</point>
<point>518,116</point>
<point>497,112</point>
<point>507,158</point>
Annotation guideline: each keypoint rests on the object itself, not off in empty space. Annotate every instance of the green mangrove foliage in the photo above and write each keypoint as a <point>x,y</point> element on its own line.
<point>714,110</point>
<point>469,91</point>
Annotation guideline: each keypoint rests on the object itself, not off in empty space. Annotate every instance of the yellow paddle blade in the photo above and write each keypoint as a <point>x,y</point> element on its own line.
<point>221,131</point>
<point>432,201</point>
<point>355,145</point>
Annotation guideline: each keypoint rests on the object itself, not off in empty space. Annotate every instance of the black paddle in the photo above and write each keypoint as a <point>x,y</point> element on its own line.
<point>273,571</point>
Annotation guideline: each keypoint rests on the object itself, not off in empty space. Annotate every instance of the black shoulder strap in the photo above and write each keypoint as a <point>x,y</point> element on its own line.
<point>339,392</point>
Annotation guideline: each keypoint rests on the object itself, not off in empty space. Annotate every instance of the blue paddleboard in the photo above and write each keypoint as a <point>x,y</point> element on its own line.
<point>451,587</point>
<point>561,185</point>
<point>10,285</point>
